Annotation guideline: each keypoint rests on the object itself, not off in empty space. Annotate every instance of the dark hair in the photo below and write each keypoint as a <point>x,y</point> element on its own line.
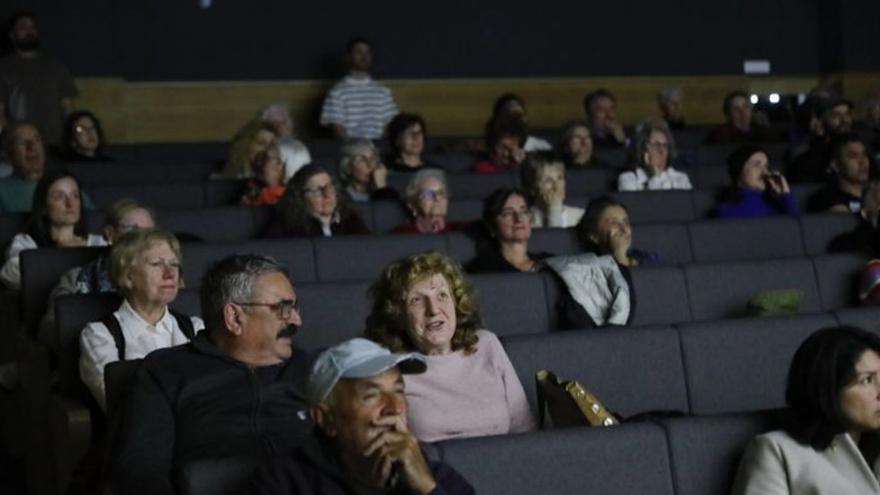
<point>292,208</point>
<point>38,224</point>
<point>400,123</point>
<point>494,203</point>
<point>589,223</point>
<point>232,279</point>
<point>70,132</point>
<point>503,126</point>
<point>592,96</point>
<point>839,141</point>
<point>728,100</point>
<point>349,45</point>
<point>821,367</point>
<point>499,107</point>
<point>737,159</point>
<point>21,14</point>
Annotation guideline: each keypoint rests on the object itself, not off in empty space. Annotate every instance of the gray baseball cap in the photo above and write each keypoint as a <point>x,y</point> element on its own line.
<point>356,358</point>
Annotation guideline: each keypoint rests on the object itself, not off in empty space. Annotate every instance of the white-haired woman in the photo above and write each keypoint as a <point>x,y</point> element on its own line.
<point>294,153</point>
<point>364,175</point>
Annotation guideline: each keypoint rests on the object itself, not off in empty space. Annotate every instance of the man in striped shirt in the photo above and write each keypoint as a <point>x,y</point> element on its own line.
<point>358,106</point>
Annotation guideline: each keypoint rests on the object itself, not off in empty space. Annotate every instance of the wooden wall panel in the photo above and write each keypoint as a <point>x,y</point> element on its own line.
<point>212,111</point>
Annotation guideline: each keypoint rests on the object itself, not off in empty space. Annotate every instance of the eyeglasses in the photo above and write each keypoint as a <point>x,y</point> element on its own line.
<point>325,189</point>
<point>432,194</point>
<point>658,145</point>
<point>82,129</point>
<point>283,309</point>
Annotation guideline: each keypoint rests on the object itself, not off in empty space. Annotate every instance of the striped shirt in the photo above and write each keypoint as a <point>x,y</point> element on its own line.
<point>361,106</point>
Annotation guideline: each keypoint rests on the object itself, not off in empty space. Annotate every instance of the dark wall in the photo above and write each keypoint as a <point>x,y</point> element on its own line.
<point>283,39</point>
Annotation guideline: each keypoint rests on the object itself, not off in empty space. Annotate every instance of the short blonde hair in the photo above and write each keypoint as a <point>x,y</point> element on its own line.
<point>387,323</point>
<point>125,252</point>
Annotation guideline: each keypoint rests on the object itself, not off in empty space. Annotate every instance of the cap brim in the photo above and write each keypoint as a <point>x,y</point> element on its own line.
<point>411,363</point>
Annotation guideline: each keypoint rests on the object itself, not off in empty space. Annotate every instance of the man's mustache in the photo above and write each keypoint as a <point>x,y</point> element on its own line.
<point>288,331</point>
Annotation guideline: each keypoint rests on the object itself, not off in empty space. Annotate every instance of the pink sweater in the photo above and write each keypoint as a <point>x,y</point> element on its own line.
<point>468,395</point>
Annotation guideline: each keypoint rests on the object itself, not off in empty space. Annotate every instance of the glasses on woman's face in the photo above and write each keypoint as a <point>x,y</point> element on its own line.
<point>658,145</point>
<point>82,129</point>
<point>326,189</point>
<point>433,194</point>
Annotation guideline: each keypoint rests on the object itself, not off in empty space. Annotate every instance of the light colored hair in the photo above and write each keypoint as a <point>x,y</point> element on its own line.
<point>535,165</point>
<point>350,150</point>
<point>125,252</point>
<point>123,207</point>
<point>643,136</point>
<point>388,324</point>
<point>277,108</point>
<point>414,186</point>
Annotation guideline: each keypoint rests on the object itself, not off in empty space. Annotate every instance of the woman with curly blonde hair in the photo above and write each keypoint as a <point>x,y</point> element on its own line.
<point>254,137</point>
<point>423,303</point>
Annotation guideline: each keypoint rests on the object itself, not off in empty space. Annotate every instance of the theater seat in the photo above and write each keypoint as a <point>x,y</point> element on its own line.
<point>746,239</point>
<point>819,229</point>
<point>512,303</point>
<point>226,476</point>
<point>657,206</point>
<point>838,277</point>
<point>331,312</point>
<point>661,296</point>
<point>625,459</point>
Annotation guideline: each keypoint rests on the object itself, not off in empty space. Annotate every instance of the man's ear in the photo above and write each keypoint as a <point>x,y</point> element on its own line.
<point>232,319</point>
<point>324,419</point>
<point>834,165</point>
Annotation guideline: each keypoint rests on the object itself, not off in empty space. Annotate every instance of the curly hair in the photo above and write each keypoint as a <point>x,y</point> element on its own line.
<point>387,322</point>
<point>237,165</point>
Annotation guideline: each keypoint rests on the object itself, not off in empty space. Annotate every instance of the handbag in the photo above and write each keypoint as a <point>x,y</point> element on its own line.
<point>569,403</point>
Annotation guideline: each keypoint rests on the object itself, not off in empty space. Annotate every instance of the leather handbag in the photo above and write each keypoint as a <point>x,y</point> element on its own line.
<point>569,403</point>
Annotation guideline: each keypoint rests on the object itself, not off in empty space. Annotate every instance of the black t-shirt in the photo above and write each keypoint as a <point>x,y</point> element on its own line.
<point>832,196</point>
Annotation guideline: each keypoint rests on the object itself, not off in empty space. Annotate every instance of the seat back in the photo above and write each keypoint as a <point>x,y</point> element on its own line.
<point>661,296</point>
<point>630,370</point>
<point>331,312</point>
<point>746,239</point>
<point>512,303</point>
<point>630,458</point>
<point>41,269</point>
<point>657,206</point>
<point>669,240</point>
<point>838,278</point>
<point>118,376</point>
<point>742,365</point>
<point>295,254</point>
<point>224,476</point>
<point>350,258</point>
<point>820,229</point>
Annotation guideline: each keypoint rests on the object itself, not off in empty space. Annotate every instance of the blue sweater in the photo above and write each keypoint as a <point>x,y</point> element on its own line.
<point>754,203</point>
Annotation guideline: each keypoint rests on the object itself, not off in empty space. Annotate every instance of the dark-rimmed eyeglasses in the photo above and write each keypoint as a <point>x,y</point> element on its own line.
<point>283,309</point>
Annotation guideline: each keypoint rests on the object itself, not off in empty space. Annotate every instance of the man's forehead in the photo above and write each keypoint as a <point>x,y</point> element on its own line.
<point>274,284</point>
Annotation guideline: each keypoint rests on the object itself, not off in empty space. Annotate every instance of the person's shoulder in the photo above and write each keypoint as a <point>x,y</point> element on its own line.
<point>488,339</point>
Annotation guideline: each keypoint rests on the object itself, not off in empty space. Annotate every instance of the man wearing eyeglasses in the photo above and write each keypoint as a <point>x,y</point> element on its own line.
<point>235,391</point>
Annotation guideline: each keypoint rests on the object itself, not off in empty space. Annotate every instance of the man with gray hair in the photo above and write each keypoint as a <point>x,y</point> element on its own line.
<point>361,443</point>
<point>236,390</point>
<point>670,100</point>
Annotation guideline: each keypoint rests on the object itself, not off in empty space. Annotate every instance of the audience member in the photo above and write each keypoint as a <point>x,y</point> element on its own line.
<point>358,106</point>
<point>256,136</point>
<point>83,139</point>
<point>146,268</point>
<point>503,239</point>
<point>543,176</point>
<point>852,171</point>
<point>865,237</point>
<point>406,137</point>
<point>124,216</point>
<point>600,108</point>
<point>577,146</point>
<point>605,230</point>
<point>423,303</point>
<point>505,137</point>
<point>427,198</point>
<point>294,153</point>
<point>56,220</point>
<point>267,185</point>
<point>755,190</point>
<point>24,148</point>
<point>830,117</point>
<point>237,389</point>
<point>740,125</point>
<point>34,87</point>
<point>654,151</point>
<point>832,403</point>
<point>356,396</point>
<point>868,128</point>
<point>670,102</point>
<point>513,106</point>
<point>364,175</point>
<point>312,207</point>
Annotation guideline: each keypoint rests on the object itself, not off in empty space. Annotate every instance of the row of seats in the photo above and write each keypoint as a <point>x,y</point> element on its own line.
<point>675,456</point>
<point>717,285</point>
<point>696,367</point>
<point>240,223</point>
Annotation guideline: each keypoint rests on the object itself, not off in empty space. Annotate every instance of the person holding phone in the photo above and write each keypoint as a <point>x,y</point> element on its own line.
<point>755,190</point>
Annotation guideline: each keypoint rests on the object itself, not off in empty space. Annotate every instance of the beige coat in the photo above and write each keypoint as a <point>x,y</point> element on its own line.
<point>776,464</point>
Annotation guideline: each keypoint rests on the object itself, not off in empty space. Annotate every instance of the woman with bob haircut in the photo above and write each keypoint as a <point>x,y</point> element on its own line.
<point>503,240</point>
<point>312,206</point>
<point>56,220</point>
<point>406,138</point>
<point>543,176</point>
<point>652,170</point>
<point>830,442</point>
<point>145,265</point>
<point>83,139</point>
<point>423,303</point>
<point>364,175</point>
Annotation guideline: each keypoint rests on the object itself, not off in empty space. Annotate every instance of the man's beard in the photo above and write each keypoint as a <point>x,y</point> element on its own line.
<point>28,45</point>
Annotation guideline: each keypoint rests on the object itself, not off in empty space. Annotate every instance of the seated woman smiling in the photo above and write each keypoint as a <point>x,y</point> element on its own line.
<point>830,443</point>
<point>423,303</point>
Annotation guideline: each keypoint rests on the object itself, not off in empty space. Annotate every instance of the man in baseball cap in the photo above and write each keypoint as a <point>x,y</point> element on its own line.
<point>361,443</point>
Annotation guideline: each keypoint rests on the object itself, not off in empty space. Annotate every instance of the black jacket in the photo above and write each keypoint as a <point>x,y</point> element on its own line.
<point>193,402</point>
<point>315,469</point>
